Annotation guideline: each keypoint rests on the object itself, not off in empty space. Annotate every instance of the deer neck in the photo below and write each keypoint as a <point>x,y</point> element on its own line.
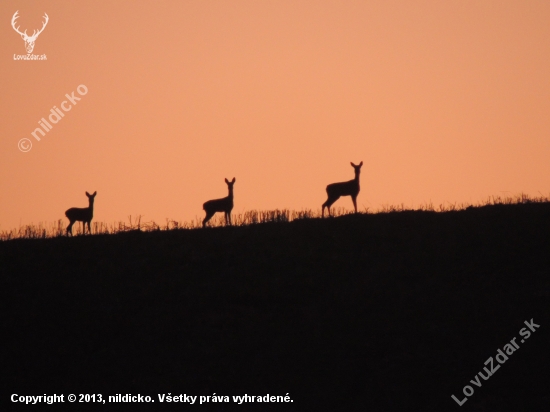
<point>356,180</point>
<point>230,195</point>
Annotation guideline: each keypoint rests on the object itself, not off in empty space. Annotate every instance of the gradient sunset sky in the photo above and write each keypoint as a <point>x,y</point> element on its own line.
<point>443,101</point>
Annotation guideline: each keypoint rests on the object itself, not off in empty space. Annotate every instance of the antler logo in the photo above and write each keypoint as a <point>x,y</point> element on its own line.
<point>29,40</point>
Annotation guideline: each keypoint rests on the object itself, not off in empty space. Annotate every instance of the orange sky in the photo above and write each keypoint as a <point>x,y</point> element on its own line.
<point>441,100</point>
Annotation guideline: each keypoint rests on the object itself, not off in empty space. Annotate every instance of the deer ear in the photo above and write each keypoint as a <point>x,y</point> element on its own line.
<point>233,181</point>
<point>95,193</point>
<point>87,194</point>
<point>361,164</point>
<point>351,163</point>
<point>226,181</point>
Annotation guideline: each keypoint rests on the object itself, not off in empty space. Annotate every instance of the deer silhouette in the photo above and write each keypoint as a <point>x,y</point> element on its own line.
<point>220,205</point>
<point>81,214</point>
<point>350,188</point>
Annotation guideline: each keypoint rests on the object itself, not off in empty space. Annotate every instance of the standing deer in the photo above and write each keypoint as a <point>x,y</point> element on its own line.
<point>81,214</point>
<point>220,205</point>
<point>350,188</point>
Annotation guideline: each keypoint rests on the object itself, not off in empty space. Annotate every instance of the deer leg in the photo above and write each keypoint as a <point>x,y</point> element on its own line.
<point>328,204</point>
<point>70,228</point>
<point>207,218</point>
<point>354,199</point>
<point>228,217</point>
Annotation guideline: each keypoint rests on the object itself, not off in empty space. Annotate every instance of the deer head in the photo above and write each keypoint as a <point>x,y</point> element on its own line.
<point>357,167</point>
<point>29,40</point>
<point>230,184</point>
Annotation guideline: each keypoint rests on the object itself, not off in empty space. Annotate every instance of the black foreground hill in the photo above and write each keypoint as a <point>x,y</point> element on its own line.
<point>383,312</point>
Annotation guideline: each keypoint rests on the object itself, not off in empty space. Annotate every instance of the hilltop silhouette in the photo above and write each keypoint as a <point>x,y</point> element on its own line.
<point>389,311</point>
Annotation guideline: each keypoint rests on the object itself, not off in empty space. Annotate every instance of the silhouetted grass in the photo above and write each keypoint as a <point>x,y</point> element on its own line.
<point>56,229</point>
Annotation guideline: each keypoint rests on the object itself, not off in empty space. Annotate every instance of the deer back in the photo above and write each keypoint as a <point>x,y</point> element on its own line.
<point>343,188</point>
<point>219,205</point>
<point>80,213</point>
